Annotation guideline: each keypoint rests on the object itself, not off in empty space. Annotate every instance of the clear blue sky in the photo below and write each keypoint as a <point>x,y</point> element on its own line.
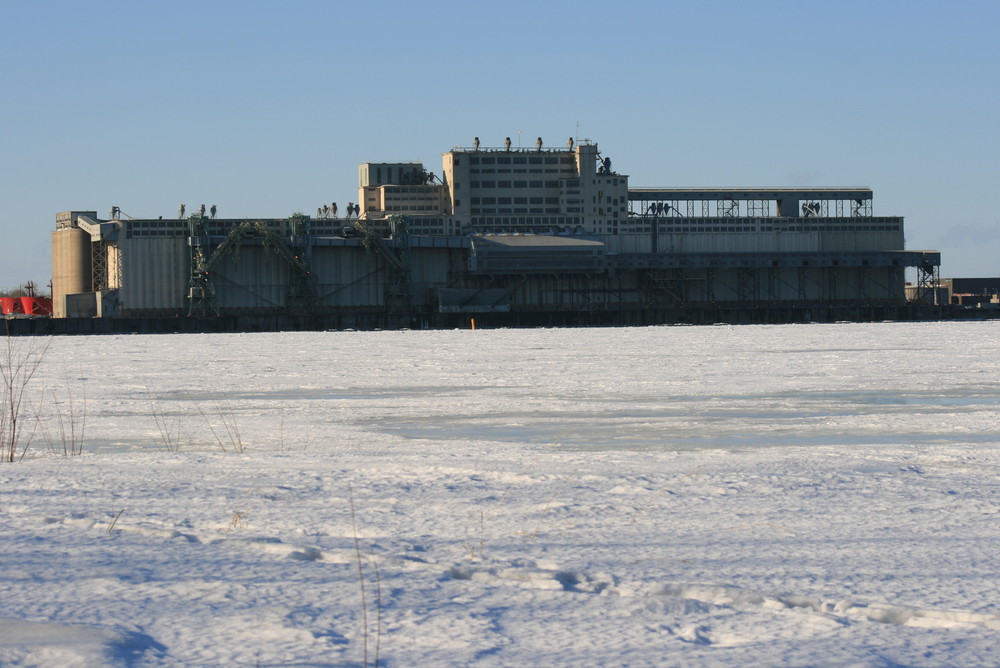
<point>267,108</point>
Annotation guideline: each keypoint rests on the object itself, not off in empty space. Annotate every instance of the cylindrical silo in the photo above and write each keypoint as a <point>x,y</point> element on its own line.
<point>71,270</point>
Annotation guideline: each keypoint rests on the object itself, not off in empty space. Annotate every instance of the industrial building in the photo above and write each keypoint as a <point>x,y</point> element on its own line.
<point>507,235</point>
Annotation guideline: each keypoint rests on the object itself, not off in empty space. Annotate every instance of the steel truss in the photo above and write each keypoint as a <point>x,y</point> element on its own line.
<point>204,257</point>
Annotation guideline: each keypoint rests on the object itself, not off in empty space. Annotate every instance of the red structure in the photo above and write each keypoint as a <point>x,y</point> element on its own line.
<point>10,305</point>
<point>36,305</point>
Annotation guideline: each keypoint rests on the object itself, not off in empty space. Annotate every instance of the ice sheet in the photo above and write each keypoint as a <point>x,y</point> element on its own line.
<point>782,495</point>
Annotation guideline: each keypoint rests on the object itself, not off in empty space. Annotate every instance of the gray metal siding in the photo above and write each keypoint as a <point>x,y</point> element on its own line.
<point>154,274</point>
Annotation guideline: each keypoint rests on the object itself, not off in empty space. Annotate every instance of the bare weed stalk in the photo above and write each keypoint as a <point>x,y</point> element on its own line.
<point>19,361</point>
<point>470,545</point>
<point>115,521</point>
<point>238,520</point>
<point>239,516</point>
<point>361,577</point>
<point>281,433</point>
<point>378,610</point>
<point>169,431</point>
<point>71,424</point>
<point>233,441</point>
<point>361,586</point>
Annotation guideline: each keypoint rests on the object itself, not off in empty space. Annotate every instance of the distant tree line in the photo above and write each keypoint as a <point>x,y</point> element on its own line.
<point>26,290</point>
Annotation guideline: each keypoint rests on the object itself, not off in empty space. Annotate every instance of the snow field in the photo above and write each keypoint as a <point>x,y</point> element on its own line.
<point>799,495</point>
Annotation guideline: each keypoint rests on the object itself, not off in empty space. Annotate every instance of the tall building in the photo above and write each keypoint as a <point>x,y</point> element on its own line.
<point>536,189</point>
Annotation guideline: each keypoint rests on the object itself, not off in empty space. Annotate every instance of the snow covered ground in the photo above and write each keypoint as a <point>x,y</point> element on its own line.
<point>782,495</point>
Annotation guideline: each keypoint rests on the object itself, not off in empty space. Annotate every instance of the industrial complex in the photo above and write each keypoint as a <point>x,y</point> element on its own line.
<point>506,236</point>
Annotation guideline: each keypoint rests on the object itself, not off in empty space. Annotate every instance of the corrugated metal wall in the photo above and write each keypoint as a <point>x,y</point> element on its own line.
<point>803,285</point>
<point>155,274</point>
<point>254,279</point>
<point>347,276</point>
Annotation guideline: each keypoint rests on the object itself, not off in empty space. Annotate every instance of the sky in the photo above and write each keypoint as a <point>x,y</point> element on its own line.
<point>266,109</point>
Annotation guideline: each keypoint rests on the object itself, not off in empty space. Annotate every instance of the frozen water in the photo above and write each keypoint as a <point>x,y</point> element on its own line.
<point>783,495</point>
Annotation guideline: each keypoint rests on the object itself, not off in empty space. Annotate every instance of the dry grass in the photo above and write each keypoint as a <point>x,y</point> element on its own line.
<point>169,430</point>
<point>70,416</point>
<point>20,359</point>
<point>228,437</point>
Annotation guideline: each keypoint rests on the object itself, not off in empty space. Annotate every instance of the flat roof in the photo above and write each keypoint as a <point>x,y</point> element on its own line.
<point>751,193</point>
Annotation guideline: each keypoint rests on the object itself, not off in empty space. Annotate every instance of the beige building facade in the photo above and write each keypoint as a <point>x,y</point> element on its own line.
<point>535,189</point>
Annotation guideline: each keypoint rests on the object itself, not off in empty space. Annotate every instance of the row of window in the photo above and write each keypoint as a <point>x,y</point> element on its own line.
<point>425,190</point>
<point>521,160</point>
<point>397,200</point>
<point>133,232</point>
<point>527,220</point>
<point>514,200</point>
<point>801,228</point>
<point>488,211</point>
<point>836,228</point>
<point>539,170</point>
<point>176,224</point>
<point>513,184</point>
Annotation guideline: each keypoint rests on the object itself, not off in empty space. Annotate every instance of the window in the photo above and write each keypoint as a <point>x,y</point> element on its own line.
<point>503,184</point>
<point>520,184</point>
